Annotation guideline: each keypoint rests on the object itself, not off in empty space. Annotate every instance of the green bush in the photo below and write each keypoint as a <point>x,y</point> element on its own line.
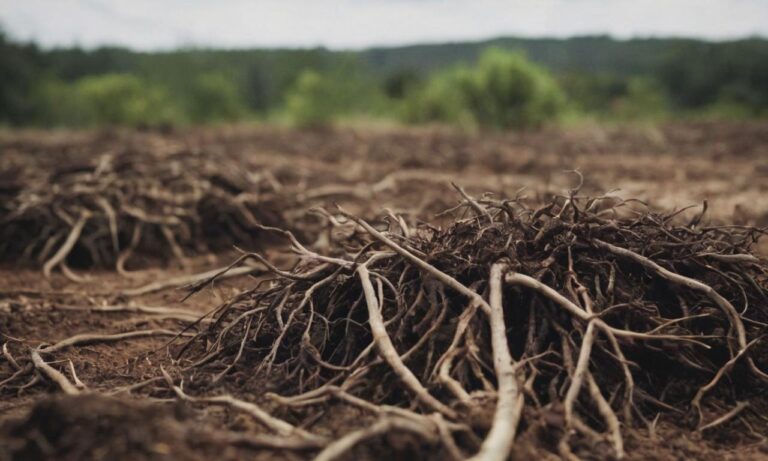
<point>57,104</point>
<point>611,97</point>
<point>214,97</point>
<point>593,93</point>
<point>728,109</point>
<point>504,90</point>
<point>319,99</point>
<point>644,99</point>
<point>442,100</point>
<point>121,99</point>
<point>311,101</point>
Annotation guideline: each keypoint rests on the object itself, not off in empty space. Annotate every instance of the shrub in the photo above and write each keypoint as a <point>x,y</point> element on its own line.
<point>311,102</point>
<point>504,90</point>
<point>594,93</point>
<point>441,100</point>
<point>57,104</point>
<point>644,99</point>
<point>121,99</point>
<point>214,97</point>
<point>319,99</point>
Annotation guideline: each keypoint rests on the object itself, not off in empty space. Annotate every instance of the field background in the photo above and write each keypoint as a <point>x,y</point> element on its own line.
<point>670,125</point>
<point>670,166</point>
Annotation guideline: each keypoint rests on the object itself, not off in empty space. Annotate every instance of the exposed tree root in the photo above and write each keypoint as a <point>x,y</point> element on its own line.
<point>53,374</point>
<point>584,308</point>
<point>276,425</point>
<point>509,406</point>
<point>37,363</point>
<point>184,280</point>
<point>69,243</point>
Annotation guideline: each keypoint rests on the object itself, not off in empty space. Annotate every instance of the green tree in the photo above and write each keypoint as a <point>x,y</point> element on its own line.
<point>701,74</point>
<point>19,68</point>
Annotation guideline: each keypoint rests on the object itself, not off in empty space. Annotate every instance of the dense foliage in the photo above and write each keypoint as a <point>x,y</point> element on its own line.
<point>318,99</point>
<point>504,90</point>
<point>454,83</point>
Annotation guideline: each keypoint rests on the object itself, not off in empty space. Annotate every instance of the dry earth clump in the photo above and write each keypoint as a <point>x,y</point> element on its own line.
<point>99,428</point>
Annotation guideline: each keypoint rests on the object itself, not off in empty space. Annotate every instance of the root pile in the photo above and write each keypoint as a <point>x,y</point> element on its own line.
<point>564,326</point>
<point>102,212</point>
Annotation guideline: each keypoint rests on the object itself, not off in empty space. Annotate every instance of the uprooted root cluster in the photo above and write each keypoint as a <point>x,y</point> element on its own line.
<point>104,211</point>
<point>566,325</point>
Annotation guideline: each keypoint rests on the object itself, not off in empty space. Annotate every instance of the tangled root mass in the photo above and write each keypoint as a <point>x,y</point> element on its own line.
<point>129,203</point>
<point>567,324</point>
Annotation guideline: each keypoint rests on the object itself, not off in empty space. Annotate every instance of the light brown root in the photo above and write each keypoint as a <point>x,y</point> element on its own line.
<point>611,420</point>
<point>726,417</point>
<point>17,374</point>
<point>472,203</point>
<point>274,424</point>
<point>70,274</point>
<point>696,402</point>
<point>388,352</point>
<point>154,313</point>
<point>124,255</point>
<point>577,378</point>
<point>721,302</point>
<point>425,266</point>
<point>509,405</point>
<point>387,424</point>
<point>112,220</point>
<point>53,374</point>
<point>88,338</point>
<point>515,278</point>
<point>177,282</point>
<point>9,357</point>
<point>67,246</point>
<point>78,383</point>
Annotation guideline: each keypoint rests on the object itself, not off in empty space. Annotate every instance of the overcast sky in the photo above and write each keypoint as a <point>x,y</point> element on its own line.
<point>162,24</point>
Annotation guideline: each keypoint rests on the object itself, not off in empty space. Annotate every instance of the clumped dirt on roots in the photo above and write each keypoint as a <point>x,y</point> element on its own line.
<point>100,428</point>
<point>569,324</point>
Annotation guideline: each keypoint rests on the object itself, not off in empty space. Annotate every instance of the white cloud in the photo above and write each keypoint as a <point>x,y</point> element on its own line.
<point>147,24</point>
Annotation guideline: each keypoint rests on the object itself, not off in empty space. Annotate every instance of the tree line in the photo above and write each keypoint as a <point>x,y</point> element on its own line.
<point>501,83</point>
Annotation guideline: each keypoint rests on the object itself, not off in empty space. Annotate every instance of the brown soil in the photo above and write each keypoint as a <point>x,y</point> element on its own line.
<point>669,166</point>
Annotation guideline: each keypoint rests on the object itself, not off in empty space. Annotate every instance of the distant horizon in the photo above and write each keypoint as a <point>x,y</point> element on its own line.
<point>185,47</point>
<point>150,25</point>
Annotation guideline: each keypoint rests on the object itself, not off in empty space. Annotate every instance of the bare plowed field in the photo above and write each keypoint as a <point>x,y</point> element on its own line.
<point>590,293</point>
